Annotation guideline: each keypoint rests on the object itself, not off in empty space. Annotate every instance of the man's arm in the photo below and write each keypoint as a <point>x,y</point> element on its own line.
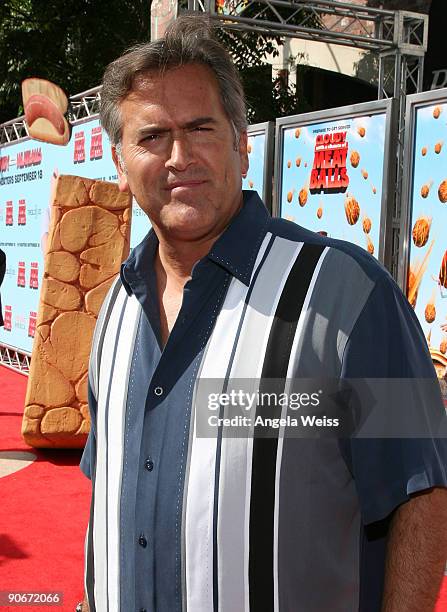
<point>416,553</point>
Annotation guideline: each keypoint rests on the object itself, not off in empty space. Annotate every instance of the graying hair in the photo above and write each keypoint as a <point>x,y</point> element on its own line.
<point>189,39</point>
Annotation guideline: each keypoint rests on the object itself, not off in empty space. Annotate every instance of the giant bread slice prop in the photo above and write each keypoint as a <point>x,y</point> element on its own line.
<point>88,239</point>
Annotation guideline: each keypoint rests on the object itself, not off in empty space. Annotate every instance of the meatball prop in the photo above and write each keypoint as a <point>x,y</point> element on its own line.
<point>352,210</point>
<point>442,191</point>
<point>302,197</point>
<point>421,231</point>
<point>355,159</point>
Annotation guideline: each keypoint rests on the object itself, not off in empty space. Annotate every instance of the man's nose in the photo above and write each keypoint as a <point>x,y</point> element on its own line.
<point>181,154</point>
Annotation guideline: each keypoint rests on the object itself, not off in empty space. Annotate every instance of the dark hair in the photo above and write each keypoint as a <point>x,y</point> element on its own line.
<point>189,39</point>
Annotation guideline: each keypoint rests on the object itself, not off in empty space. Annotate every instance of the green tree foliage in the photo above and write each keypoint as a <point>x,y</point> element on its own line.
<point>267,97</point>
<point>70,42</point>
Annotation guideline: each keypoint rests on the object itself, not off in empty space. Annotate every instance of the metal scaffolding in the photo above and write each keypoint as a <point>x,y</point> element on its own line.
<point>15,359</point>
<point>13,131</point>
<point>85,105</point>
<point>398,34</point>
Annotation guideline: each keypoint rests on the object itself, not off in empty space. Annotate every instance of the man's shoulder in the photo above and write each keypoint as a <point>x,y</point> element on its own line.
<point>341,252</point>
<point>109,301</point>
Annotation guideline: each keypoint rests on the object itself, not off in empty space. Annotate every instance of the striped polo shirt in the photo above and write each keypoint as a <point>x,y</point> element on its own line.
<point>181,522</point>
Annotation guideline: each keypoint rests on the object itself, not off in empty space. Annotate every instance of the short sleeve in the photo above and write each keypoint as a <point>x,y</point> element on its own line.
<point>88,458</point>
<point>387,342</point>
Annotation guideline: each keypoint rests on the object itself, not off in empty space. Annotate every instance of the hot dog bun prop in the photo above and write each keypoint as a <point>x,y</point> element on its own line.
<point>45,106</point>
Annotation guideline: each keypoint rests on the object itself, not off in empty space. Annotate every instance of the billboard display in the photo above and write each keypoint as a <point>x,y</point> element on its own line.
<point>334,173</point>
<point>21,174</point>
<point>26,171</point>
<point>423,265</point>
<point>260,157</point>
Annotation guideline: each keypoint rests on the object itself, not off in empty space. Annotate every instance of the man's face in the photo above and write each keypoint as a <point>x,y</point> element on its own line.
<point>181,160</point>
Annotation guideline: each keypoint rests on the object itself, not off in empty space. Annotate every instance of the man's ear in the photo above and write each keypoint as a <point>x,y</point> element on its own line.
<point>243,153</point>
<point>123,185</point>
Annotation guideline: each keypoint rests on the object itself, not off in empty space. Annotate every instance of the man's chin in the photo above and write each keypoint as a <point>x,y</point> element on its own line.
<point>187,230</point>
<point>183,214</point>
<point>185,202</point>
<point>186,220</point>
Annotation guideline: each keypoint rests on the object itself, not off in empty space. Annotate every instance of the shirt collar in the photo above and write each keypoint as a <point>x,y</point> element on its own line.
<point>140,260</point>
<point>235,250</point>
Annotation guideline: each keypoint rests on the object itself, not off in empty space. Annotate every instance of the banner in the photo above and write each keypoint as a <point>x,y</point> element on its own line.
<point>425,220</point>
<point>26,171</point>
<point>333,173</point>
<point>22,176</point>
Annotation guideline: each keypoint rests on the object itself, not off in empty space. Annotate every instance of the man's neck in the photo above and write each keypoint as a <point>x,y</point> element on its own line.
<point>177,260</point>
<point>173,267</point>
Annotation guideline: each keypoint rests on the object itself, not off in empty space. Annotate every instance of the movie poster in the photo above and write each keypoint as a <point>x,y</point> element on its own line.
<point>22,175</point>
<point>27,170</point>
<point>427,270</point>
<point>332,177</point>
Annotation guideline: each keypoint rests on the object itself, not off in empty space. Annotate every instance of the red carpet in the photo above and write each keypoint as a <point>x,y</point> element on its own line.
<point>442,601</point>
<point>44,512</point>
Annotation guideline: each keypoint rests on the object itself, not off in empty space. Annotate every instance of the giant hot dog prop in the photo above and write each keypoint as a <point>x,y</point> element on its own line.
<point>45,105</point>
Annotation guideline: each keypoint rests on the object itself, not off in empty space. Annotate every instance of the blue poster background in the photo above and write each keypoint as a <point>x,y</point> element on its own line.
<point>20,239</point>
<point>430,170</point>
<point>297,163</point>
<point>28,188</point>
<point>256,157</point>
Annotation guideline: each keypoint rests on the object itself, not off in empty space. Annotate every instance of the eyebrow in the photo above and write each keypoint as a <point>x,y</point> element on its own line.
<point>199,121</point>
<point>154,129</point>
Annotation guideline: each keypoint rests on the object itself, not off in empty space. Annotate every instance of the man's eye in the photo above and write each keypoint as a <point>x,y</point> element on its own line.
<point>201,129</point>
<point>151,137</point>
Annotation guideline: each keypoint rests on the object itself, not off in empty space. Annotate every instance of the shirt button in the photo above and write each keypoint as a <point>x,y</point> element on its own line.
<point>142,541</point>
<point>158,391</point>
<point>149,464</point>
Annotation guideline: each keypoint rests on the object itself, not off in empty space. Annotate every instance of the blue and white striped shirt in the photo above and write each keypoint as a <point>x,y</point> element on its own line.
<point>184,523</point>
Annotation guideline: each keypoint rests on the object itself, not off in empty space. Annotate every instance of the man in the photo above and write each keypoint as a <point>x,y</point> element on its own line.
<point>219,290</point>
